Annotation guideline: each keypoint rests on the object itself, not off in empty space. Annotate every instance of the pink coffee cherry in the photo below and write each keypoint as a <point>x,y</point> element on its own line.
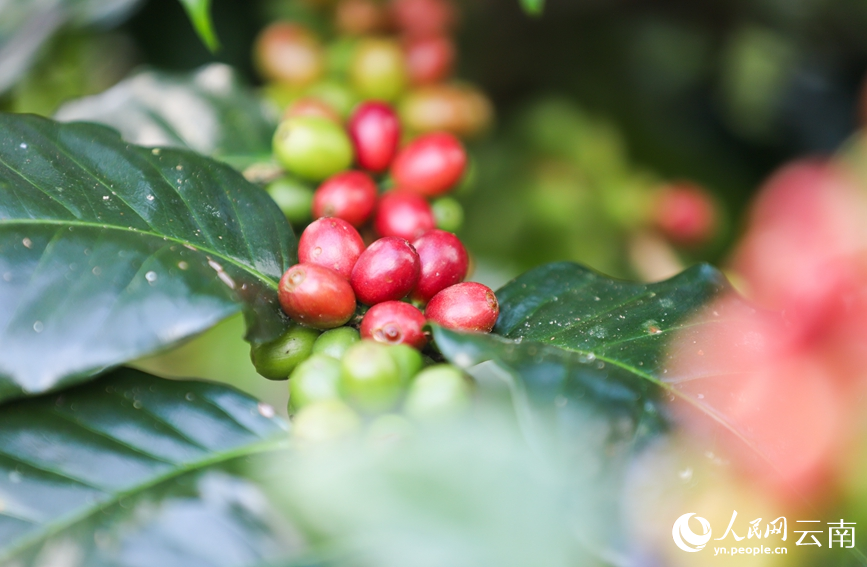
<point>350,196</point>
<point>430,165</point>
<point>388,270</point>
<point>316,296</point>
<point>375,132</point>
<point>685,213</point>
<point>467,306</point>
<point>331,242</point>
<point>429,60</point>
<point>444,262</point>
<point>405,215</point>
<point>394,322</point>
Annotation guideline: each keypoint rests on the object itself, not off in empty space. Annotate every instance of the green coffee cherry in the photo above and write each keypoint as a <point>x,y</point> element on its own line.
<point>448,214</point>
<point>312,147</point>
<point>335,342</point>
<point>388,429</point>
<point>275,360</point>
<point>438,391</point>
<point>293,197</point>
<point>326,420</point>
<point>339,55</point>
<point>370,378</point>
<point>336,95</point>
<point>408,361</point>
<point>314,380</point>
<point>378,69</point>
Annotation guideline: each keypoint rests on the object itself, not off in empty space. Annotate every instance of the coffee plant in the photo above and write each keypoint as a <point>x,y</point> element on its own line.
<point>345,209</point>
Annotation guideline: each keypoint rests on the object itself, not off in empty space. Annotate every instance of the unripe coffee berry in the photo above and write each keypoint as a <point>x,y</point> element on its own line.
<point>388,270</point>
<point>293,197</point>
<point>324,421</point>
<point>330,242</point>
<point>312,147</point>
<point>316,296</point>
<point>378,69</point>
<point>405,215</point>
<point>430,165</point>
<point>334,343</point>
<point>350,196</point>
<point>444,262</point>
<point>438,391</point>
<point>448,214</point>
<point>375,132</point>
<point>276,359</point>
<point>467,306</point>
<point>370,378</point>
<point>314,380</point>
<point>394,323</point>
<point>408,359</point>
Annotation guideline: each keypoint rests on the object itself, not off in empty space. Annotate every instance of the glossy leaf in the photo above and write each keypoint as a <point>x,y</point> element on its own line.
<point>199,12</point>
<point>568,335</point>
<point>110,251</point>
<point>129,470</point>
<point>208,110</point>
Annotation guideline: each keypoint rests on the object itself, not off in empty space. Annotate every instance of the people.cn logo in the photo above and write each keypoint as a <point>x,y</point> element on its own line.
<point>685,538</point>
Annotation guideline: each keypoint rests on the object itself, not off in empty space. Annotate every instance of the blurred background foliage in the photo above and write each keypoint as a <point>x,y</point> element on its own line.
<point>597,102</point>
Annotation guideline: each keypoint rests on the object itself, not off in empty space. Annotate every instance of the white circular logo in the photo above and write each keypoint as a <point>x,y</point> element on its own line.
<point>685,538</point>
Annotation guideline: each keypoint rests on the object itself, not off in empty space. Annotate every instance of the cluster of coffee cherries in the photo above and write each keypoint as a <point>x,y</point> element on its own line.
<point>372,259</point>
<point>337,381</point>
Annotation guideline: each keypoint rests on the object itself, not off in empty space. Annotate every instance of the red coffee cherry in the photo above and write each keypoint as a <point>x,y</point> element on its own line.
<point>394,322</point>
<point>429,60</point>
<point>309,106</point>
<point>405,215</point>
<point>685,213</point>
<point>316,296</point>
<point>388,270</point>
<point>375,132</point>
<point>332,243</point>
<point>430,165</point>
<point>467,306</point>
<point>289,53</point>
<point>350,196</point>
<point>423,18</point>
<point>444,262</point>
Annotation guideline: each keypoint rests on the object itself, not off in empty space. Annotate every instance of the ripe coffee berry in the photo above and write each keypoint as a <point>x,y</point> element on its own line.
<point>388,270</point>
<point>316,296</point>
<point>330,242</point>
<point>394,322</point>
<point>350,196</point>
<point>429,60</point>
<point>289,54</point>
<point>405,215</point>
<point>444,262</point>
<point>430,165</point>
<point>685,213</point>
<point>423,18</point>
<point>467,306</point>
<point>375,132</point>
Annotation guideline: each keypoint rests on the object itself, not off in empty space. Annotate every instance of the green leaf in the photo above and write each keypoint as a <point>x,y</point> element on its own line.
<point>569,336</point>
<point>208,110</point>
<point>110,251</point>
<point>533,7</point>
<point>131,470</point>
<point>199,12</point>
<point>26,25</point>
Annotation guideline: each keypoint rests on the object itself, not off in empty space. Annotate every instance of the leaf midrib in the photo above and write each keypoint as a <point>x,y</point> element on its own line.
<point>58,525</point>
<point>267,280</point>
